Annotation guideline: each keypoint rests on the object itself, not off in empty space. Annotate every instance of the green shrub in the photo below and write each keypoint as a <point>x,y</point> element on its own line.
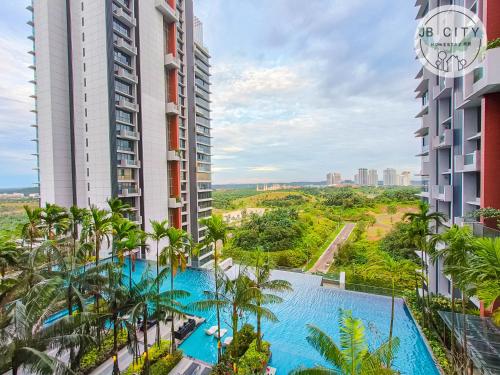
<point>253,361</point>
<point>166,364</point>
<point>154,353</point>
<point>94,355</point>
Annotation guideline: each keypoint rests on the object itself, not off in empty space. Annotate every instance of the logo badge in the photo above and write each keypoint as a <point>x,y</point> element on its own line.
<point>449,41</point>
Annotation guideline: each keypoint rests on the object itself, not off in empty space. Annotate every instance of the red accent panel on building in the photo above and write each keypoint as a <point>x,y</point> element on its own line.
<point>173,97</point>
<point>172,39</point>
<point>490,151</point>
<point>173,133</point>
<point>491,19</point>
<point>171,3</point>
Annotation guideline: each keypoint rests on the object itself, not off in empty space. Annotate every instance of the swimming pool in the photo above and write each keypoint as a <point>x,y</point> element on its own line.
<point>309,303</point>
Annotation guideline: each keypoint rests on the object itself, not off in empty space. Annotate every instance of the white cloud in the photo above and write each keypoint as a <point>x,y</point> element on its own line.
<point>264,168</point>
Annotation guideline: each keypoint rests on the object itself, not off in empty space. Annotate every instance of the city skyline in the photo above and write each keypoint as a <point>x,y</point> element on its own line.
<point>251,115</point>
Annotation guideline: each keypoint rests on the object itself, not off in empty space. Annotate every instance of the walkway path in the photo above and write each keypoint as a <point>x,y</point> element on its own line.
<point>325,260</point>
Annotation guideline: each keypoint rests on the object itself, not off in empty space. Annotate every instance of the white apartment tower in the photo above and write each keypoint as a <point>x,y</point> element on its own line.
<point>390,177</point>
<point>363,176</point>
<point>372,177</point>
<point>122,108</point>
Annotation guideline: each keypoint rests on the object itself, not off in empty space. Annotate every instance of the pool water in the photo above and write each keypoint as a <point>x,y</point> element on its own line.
<point>308,303</point>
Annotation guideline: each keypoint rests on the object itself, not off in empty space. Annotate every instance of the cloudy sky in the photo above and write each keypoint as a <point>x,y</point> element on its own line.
<point>300,88</point>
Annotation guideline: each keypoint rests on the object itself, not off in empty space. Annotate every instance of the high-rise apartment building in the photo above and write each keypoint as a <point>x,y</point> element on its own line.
<point>363,176</point>
<point>390,177</point>
<point>372,177</point>
<point>404,179</point>
<point>333,178</point>
<point>123,108</point>
<point>460,136</point>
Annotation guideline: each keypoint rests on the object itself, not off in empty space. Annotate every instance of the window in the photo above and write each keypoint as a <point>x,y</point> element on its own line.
<point>121,27</point>
<point>119,97</point>
<point>123,116</point>
<point>123,87</point>
<point>122,58</point>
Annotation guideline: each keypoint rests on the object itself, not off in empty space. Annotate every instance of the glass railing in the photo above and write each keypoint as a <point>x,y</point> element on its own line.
<point>478,74</point>
<point>469,159</point>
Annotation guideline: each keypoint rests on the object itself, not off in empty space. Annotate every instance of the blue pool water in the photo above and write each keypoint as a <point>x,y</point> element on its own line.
<point>308,303</point>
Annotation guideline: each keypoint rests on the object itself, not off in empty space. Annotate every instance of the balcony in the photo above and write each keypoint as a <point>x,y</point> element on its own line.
<point>171,62</point>
<point>169,13</point>
<point>174,202</point>
<point>125,104</point>
<point>424,151</point>
<point>425,192</point>
<point>124,17</point>
<point>442,192</point>
<point>129,163</point>
<point>444,140</point>
<point>124,46</point>
<point>469,162</point>
<point>173,155</point>
<point>474,202</point>
<point>128,134</point>
<point>173,109</point>
<point>481,230</point>
<point>126,76</point>
<point>489,81</point>
<point>424,111</point>
<point>444,89</point>
<point>129,192</point>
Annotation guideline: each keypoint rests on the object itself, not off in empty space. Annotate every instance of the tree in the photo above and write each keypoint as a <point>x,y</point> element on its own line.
<point>158,233</point>
<point>395,271</point>
<point>26,338</point>
<point>54,223</point>
<point>391,210</point>
<point>31,229</point>
<point>175,254</point>
<point>118,208</point>
<point>98,226</point>
<point>76,217</point>
<point>143,295</point>
<point>455,252</point>
<point>8,255</point>
<point>238,297</point>
<point>216,232</point>
<point>420,222</point>
<point>263,283</point>
<point>352,357</point>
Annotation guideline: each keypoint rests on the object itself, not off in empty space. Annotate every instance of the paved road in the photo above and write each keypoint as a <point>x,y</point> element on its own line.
<point>325,260</point>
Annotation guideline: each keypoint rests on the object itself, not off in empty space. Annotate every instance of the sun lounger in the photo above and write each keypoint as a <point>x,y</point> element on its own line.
<point>221,333</point>
<point>227,341</point>
<point>211,330</point>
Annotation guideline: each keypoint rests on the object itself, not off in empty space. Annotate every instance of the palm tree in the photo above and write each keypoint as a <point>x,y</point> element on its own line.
<point>175,254</point>
<point>117,298</point>
<point>121,231</point>
<point>118,208</point>
<point>8,255</point>
<point>54,223</point>
<point>262,281</point>
<point>98,226</point>
<point>395,270</point>
<point>135,239</point>
<point>76,217</point>
<point>420,222</point>
<point>143,295</point>
<point>31,229</point>
<point>216,232</point>
<point>352,357</point>
<point>26,338</point>
<point>158,233</point>
<point>237,296</point>
<point>455,253</point>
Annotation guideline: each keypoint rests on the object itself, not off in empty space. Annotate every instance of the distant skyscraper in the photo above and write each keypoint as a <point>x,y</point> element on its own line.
<point>363,176</point>
<point>356,179</point>
<point>390,177</point>
<point>333,178</point>
<point>337,178</point>
<point>372,177</point>
<point>404,179</point>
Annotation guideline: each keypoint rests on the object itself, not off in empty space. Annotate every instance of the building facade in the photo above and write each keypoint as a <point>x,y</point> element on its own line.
<point>390,177</point>
<point>372,177</point>
<point>460,136</point>
<point>122,108</point>
<point>404,179</point>
<point>333,178</point>
<point>363,176</point>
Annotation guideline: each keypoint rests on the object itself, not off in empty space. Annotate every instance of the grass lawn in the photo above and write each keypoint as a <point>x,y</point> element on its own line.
<point>12,214</point>
<point>384,221</point>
